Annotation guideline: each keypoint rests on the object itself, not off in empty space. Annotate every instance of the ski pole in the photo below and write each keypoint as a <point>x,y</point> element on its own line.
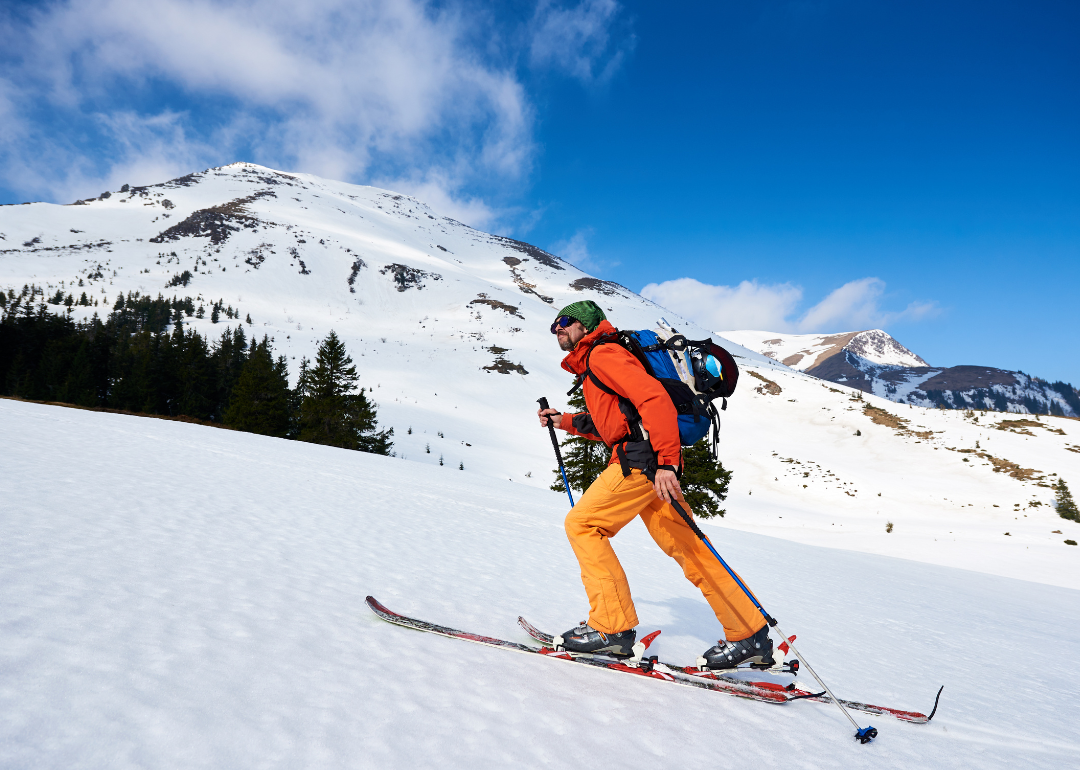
<point>555,443</point>
<point>863,734</point>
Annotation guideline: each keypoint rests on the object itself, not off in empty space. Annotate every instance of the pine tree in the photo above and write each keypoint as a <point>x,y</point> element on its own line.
<point>1063,501</point>
<point>704,481</point>
<point>331,412</point>
<point>584,459</point>
<point>260,398</point>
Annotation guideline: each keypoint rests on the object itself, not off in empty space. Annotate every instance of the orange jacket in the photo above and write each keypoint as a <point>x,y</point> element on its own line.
<point>617,368</point>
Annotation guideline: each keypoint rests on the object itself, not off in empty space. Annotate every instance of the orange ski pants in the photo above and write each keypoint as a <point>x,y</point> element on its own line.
<point>609,505</point>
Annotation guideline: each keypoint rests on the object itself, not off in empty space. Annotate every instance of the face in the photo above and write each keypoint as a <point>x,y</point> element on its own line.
<point>570,336</point>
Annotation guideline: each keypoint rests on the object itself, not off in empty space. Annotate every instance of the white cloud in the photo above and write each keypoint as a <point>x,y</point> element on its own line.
<point>348,89</point>
<point>774,307</point>
<point>575,40</point>
<point>750,305</point>
<point>439,192</point>
<point>575,250</point>
<point>856,306</point>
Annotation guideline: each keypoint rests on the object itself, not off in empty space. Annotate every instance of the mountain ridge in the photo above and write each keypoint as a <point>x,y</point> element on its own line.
<point>874,362</point>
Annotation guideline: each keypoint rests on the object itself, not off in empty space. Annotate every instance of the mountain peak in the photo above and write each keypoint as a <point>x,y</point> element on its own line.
<point>880,347</point>
<point>806,351</point>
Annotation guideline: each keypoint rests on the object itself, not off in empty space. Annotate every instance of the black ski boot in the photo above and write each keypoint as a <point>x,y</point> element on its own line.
<point>757,650</point>
<point>584,638</point>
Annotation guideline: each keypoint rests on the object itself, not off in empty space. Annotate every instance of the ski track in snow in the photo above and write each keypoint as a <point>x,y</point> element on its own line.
<point>178,596</point>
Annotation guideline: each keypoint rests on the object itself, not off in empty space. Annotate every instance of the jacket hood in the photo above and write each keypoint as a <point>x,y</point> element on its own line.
<point>575,359</point>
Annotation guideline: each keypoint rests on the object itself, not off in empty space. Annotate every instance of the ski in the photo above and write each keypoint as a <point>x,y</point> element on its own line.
<point>738,689</point>
<point>725,676</point>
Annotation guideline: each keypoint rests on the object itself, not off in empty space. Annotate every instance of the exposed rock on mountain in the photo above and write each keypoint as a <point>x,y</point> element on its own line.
<point>874,362</point>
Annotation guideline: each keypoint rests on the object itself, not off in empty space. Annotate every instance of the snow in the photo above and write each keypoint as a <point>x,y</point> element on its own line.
<point>182,596</point>
<point>423,350</point>
<point>805,351</point>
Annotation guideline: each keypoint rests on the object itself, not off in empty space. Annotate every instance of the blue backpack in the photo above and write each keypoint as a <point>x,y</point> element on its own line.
<point>693,372</point>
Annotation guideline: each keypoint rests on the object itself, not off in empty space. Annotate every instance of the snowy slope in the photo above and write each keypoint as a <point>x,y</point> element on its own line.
<point>303,255</point>
<point>177,596</point>
<point>425,350</point>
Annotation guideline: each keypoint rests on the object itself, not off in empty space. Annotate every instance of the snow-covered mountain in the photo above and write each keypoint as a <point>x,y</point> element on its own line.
<point>437,315</point>
<point>180,596</point>
<point>874,362</point>
<point>449,327</point>
<point>807,351</point>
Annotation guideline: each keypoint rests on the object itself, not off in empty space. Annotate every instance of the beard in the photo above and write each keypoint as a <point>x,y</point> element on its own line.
<point>566,344</point>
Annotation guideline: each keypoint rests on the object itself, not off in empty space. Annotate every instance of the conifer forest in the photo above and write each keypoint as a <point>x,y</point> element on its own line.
<point>141,359</point>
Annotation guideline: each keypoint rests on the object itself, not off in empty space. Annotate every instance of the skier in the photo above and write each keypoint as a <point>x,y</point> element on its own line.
<point>641,479</point>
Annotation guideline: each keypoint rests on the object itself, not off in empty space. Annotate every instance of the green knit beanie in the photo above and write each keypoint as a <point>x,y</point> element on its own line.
<point>586,311</point>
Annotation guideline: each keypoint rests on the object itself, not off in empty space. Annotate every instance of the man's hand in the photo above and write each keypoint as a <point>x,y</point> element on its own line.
<point>545,414</point>
<point>666,486</point>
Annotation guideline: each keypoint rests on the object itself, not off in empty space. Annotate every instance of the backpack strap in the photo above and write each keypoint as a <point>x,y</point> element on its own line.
<point>632,450</point>
<point>626,406</point>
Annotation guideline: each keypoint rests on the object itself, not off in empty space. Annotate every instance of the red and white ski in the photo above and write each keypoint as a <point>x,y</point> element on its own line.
<point>738,689</point>
<point>791,668</point>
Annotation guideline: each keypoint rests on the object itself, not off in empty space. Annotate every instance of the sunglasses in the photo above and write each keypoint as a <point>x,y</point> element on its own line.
<point>561,323</point>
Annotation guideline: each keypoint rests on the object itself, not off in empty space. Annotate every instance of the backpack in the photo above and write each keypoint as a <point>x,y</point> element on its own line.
<point>693,372</point>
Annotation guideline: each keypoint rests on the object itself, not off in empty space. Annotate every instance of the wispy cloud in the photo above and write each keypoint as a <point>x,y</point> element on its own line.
<point>578,40</point>
<point>575,250</point>
<point>855,306</point>
<point>97,90</point>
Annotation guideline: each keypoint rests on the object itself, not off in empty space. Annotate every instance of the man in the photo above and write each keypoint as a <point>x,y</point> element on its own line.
<point>641,479</point>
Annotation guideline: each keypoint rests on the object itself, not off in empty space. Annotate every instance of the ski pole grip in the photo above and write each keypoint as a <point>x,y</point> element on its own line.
<point>544,405</point>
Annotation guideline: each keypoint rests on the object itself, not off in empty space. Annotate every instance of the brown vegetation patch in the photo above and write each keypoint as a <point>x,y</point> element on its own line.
<point>519,279</point>
<point>483,299</point>
<point>1011,468</point>
<point>879,416</point>
<point>1003,466</point>
<point>406,277</point>
<point>501,365</point>
<point>607,288</point>
<point>541,256</point>
<point>1021,427</point>
<point>216,222</point>
<point>768,388</point>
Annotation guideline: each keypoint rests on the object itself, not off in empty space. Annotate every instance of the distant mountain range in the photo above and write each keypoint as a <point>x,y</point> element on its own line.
<point>874,362</point>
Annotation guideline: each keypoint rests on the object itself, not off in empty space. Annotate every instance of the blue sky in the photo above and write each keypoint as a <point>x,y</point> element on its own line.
<point>796,166</point>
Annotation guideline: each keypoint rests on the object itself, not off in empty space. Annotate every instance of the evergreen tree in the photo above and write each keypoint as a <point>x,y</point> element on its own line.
<point>331,412</point>
<point>260,398</point>
<point>197,394</point>
<point>1063,501</point>
<point>584,459</point>
<point>704,481</point>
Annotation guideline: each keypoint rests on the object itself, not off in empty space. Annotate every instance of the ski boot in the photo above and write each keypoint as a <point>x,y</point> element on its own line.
<point>757,650</point>
<point>584,638</point>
